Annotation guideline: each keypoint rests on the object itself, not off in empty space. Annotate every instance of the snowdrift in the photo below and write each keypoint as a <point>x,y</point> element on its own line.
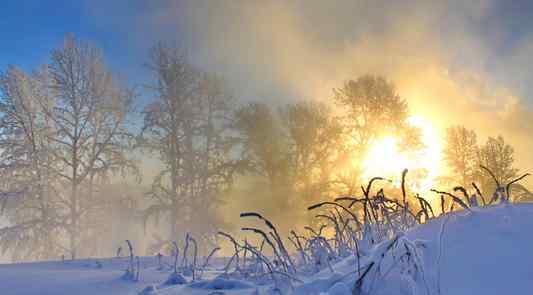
<point>485,251</point>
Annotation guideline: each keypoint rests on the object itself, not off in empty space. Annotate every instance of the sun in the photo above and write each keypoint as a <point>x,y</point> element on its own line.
<point>386,159</point>
<point>383,159</point>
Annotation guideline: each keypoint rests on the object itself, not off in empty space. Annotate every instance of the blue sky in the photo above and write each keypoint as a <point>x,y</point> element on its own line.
<point>31,29</point>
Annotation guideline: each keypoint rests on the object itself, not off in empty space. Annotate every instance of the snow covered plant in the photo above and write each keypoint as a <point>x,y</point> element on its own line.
<point>501,194</point>
<point>398,255</point>
<point>206,262</point>
<point>281,251</point>
<point>409,256</point>
<point>372,271</point>
<point>321,253</point>
<point>176,255</point>
<point>234,259</point>
<point>186,267</point>
<point>250,262</point>
<point>365,221</point>
<point>191,268</point>
<point>132,272</point>
<point>175,278</point>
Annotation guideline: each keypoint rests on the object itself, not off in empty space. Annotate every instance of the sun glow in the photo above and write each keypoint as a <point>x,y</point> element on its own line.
<point>386,158</point>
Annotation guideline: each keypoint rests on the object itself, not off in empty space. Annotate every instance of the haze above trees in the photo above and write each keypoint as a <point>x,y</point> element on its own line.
<point>66,136</point>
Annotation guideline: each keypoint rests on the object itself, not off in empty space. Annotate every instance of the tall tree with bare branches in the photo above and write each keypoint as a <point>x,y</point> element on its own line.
<point>89,115</point>
<point>62,130</point>
<point>461,153</point>
<point>371,108</point>
<point>188,126</point>
<point>313,137</point>
<point>498,157</point>
<point>28,193</point>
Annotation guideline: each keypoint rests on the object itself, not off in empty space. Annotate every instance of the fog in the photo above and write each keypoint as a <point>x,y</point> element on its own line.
<point>455,63</point>
<point>468,59</point>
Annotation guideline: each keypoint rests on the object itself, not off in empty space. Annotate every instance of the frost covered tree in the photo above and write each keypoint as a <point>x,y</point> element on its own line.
<point>307,149</point>
<point>89,116</point>
<point>370,109</point>
<point>498,157</point>
<point>188,126</point>
<point>313,140</point>
<point>67,125</point>
<point>289,154</point>
<point>264,150</point>
<point>28,194</point>
<point>461,154</point>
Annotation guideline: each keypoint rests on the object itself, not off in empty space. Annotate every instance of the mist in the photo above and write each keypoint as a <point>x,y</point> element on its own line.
<point>455,62</point>
<point>454,57</point>
<point>452,62</point>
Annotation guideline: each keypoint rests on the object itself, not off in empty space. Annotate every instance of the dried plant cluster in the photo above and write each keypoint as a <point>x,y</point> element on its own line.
<point>370,229</point>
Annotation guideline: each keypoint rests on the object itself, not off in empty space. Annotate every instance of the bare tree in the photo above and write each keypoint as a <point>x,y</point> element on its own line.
<point>498,157</point>
<point>371,108</point>
<point>28,189</point>
<point>188,125</point>
<point>314,138</point>
<point>89,118</point>
<point>265,150</point>
<point>461,153</point>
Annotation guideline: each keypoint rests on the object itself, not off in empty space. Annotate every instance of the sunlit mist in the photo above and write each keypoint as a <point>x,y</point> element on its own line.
<point>173,117</point>
<point>386,158</point>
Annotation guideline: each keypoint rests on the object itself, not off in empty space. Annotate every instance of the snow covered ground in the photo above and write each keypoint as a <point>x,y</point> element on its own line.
<point>487,251</point>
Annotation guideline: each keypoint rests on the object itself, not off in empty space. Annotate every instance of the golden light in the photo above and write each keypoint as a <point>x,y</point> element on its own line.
<point>384,158</point>
<point>387,160</point>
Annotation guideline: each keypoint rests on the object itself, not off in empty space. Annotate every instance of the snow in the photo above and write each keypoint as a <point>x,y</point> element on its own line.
<point>486,251</point>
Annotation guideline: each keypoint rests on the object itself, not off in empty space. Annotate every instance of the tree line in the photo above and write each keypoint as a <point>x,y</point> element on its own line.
<point>66,134</point>
<point>471,162</point>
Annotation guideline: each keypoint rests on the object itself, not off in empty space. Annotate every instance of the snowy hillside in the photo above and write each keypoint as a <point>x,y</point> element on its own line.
<point>485,251</point>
